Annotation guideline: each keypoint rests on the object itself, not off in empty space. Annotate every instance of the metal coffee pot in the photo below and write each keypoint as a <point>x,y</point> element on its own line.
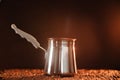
<point>60,56</point>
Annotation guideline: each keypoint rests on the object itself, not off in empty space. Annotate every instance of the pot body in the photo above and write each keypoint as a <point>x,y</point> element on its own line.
<point>60,57</point>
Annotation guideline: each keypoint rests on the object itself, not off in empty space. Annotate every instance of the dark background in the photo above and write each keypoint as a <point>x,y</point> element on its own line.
<point>94,23</point>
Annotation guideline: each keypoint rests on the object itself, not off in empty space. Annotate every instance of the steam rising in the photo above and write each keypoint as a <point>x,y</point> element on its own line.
<point>27,36</point>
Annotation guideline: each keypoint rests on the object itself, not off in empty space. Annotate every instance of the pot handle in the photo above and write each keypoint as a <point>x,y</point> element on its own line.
<point>28,37</point>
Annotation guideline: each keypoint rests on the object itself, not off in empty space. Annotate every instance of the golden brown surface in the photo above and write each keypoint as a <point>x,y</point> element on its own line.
<point>37,74</point>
